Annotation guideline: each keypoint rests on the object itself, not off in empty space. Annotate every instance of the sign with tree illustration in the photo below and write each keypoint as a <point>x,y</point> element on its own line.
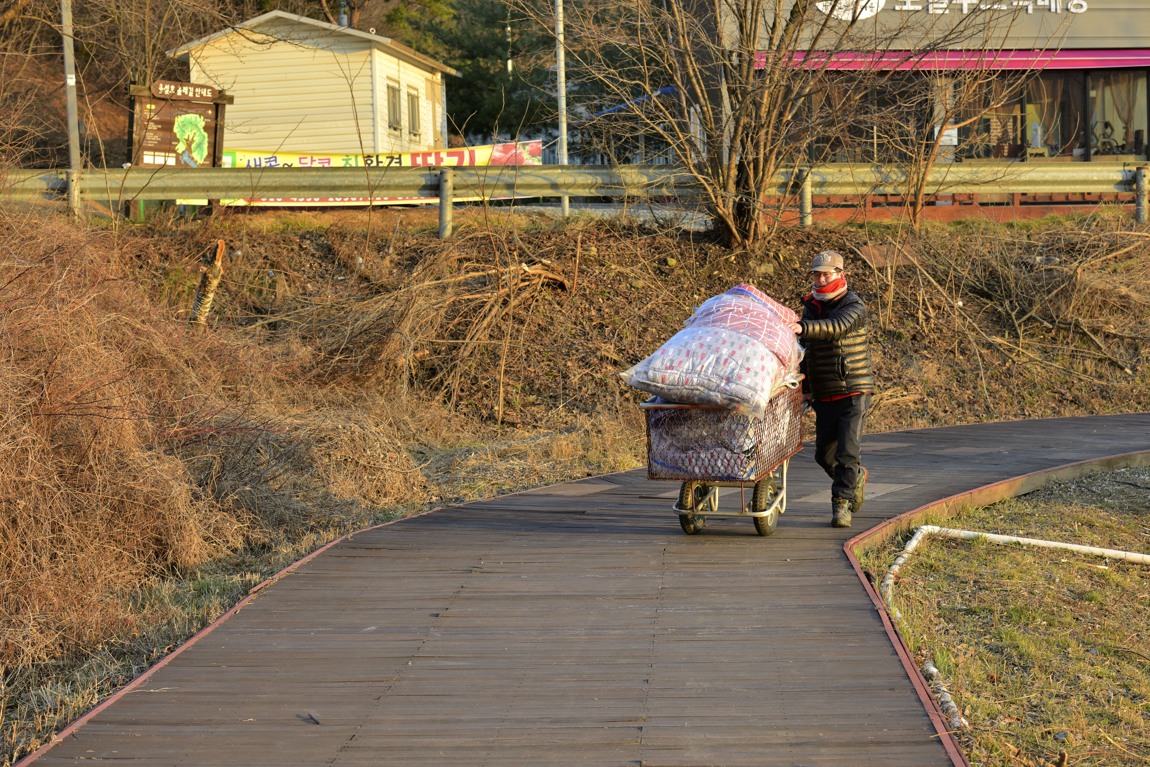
<point>176,124</point>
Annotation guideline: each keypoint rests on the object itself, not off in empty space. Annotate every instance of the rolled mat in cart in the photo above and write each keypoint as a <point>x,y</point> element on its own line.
<point>712,443</point>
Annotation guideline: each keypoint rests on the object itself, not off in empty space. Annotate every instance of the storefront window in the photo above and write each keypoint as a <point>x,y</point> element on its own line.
<point>991,119</point>
<point>1118,111</point>
<point>1055,115</point>
<point>894,118</point>
<point>1005,116</point>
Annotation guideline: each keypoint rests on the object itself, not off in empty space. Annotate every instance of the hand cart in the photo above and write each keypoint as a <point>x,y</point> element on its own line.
<point>707,447</point>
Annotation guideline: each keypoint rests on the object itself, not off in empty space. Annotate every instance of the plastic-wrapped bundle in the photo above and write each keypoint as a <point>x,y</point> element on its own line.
<point>747,310</point>
<point>694,442</point>
<point>735,351</point>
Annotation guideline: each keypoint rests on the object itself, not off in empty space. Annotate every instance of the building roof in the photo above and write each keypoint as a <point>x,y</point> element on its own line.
<point>388,45</point>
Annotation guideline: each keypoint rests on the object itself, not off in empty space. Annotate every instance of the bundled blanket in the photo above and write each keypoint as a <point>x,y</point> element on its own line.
<point>735,351</point>
<point>712,443</point>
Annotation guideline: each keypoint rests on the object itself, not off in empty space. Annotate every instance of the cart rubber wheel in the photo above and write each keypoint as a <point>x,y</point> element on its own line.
<point>766,490</point>
<point>691,496</point>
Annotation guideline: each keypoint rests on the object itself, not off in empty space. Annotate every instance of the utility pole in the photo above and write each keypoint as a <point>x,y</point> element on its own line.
<point>507,33</point>
<point>72,110</point>
<point>561,77</point>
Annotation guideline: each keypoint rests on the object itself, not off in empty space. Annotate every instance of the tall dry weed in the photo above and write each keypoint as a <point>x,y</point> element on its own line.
<point>452,301</point>
<point>994,322</point>
<point>484,322</point>
<point>92,501</point>
<point>1075,295</point>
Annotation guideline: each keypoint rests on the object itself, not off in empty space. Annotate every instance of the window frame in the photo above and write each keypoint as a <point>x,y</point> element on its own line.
<point>413,113</point>
<point>394,115</point>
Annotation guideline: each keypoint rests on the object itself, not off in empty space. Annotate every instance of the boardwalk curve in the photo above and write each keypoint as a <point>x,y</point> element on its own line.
<point>576,625</point>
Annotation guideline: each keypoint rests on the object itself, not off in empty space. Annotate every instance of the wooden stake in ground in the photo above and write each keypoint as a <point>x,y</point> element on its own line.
<point>211,270</point>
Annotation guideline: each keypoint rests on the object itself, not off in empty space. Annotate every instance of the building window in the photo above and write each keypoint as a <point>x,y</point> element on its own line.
<point>1118,113</point>
<point>413,113</point>
<point>990,119</point>
<point>1055,114</point>
<point>394,108</point>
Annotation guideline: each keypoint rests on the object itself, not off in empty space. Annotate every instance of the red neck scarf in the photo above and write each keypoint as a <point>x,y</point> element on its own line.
<point>831,290</point>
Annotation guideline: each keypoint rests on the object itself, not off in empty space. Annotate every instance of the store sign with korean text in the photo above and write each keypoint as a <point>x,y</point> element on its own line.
<point>1022,24</point>
<point>860,10</point>
<point>510,153</point>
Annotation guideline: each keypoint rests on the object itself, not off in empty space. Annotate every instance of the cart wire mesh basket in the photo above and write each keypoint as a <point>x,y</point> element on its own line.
<point>706,442</point>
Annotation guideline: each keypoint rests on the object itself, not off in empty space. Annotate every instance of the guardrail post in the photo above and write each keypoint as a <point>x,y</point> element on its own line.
<point>74,206</point>
<point>446,196</point>
<point>806,200</point>
<point>1140,196</point>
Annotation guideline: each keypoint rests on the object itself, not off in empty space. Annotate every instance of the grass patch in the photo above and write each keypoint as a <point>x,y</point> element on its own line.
<point>1044,651</point>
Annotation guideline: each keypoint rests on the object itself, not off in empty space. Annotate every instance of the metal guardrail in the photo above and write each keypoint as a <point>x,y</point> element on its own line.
<point>978,178</point>
<point>135,184</point>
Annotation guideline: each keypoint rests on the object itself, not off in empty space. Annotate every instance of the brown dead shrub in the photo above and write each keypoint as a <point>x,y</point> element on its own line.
<point>992,322</point>
<point>93,502</point>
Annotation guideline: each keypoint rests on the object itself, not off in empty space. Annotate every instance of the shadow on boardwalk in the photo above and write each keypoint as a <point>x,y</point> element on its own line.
<point>577,625</point>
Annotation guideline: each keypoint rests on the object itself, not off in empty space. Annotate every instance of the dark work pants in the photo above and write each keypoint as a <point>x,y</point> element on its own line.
<point>838,441</point>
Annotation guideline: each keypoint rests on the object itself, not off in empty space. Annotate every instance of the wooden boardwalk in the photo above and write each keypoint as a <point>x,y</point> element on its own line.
<point>577,625</point>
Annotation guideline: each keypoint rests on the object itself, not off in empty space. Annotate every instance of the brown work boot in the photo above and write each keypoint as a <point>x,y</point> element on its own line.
<point>860,488</point>
<point>841,512</point>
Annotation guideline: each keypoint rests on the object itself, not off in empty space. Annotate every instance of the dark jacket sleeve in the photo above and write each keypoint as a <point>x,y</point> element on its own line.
<point>844,318</point>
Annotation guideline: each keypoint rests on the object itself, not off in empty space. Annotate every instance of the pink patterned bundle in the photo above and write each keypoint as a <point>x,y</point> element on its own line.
<point>735,351</point>
<point>747,310</point>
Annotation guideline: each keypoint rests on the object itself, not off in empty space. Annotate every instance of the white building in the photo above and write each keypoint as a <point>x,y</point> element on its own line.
<point>302,85</point>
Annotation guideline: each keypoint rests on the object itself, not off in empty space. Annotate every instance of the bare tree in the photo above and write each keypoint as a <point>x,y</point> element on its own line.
<point>28,50</point>
<point>743,92</point>
<point>131,39</point>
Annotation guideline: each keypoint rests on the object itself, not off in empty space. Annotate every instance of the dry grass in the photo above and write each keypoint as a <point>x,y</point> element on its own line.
<point>355,369</point>
<point>1027,321</point>
<point>93,500</point>
<point>1059,293</point>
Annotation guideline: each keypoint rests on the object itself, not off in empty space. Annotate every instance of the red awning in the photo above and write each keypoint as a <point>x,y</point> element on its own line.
<point>944,60</point>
